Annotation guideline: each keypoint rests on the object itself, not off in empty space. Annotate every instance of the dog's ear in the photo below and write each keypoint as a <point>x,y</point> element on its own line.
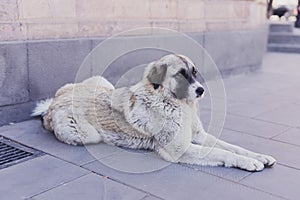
<point>157,74</point>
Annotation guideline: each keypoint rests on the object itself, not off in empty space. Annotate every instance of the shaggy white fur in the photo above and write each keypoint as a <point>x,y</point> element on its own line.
<point>41,107</point>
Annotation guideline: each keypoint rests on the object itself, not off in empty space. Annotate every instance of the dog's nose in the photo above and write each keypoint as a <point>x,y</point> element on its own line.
<point>199,91</point>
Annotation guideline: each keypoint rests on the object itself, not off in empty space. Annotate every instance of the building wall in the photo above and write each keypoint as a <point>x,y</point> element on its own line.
<point>52,19</point>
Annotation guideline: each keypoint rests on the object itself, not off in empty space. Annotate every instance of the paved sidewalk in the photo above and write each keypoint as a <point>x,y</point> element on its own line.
<point>263,115</point>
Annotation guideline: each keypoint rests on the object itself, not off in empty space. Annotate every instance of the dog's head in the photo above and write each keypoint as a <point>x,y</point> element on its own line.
<point>176,75</point>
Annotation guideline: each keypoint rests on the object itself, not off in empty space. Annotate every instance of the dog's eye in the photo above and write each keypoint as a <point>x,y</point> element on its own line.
<point>184,74</point>
<point>194,72</point>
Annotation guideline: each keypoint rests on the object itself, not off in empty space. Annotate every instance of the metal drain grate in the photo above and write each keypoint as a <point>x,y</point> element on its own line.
<point>12,153</point>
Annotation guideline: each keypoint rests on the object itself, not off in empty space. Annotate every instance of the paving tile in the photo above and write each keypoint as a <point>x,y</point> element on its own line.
<point>253,127</point>
<point>282,152</point>
<point>274,100</point>
<point>208,102</point>
<point>260,97</point>
<point>235,191</point>
<point>287,115</point>
<point>280,180</point>
<point>291,136</point>
<point>277,63</point>
<point>244,124</point>
<point>31,133</point>
<point>289,92</point>
<point>149,197</point>
<point>179,182</point>
<point>239,108</point>
<point>270,82</point>
<point>249,110</point>
<point>34,176</point>
<point>91,187</point>
<point>227,173</point>
<point>245,94</point>
<point>263,88</point>
<point>134,162</point>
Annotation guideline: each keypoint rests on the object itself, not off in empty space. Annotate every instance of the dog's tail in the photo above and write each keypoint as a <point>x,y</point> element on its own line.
<point>41,107</point>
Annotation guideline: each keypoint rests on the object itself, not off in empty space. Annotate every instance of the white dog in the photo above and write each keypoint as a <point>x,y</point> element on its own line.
<point>159,113</point>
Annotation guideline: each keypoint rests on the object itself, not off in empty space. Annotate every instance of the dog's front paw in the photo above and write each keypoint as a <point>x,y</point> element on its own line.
<point>268,161</point>
<point>250,164</point>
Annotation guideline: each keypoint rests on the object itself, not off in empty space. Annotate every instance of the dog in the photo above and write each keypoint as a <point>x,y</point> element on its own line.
<point>159,113</point>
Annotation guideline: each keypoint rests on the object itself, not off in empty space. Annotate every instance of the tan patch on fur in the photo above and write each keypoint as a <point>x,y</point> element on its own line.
<point>150,88</point>
<point>132,100</point>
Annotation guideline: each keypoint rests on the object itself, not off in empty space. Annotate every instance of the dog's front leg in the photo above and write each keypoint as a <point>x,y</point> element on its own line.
<point>202,138</point>
<point>208,156</point>
<point>265,159</point>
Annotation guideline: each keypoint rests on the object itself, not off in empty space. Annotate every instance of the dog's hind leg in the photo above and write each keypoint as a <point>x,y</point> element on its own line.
<point>212,156</point>
<point>74,130</point>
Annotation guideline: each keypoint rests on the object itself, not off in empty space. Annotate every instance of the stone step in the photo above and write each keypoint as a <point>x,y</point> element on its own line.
<point>281,27</point>
<point>287,48</point>
<point>284,38</point>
